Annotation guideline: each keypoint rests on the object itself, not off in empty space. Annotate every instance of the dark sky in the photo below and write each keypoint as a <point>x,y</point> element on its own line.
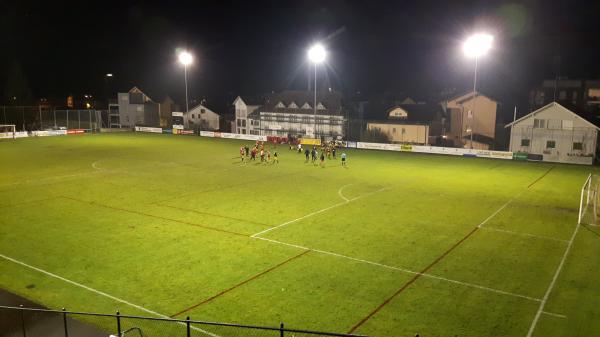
<point>56,48</point>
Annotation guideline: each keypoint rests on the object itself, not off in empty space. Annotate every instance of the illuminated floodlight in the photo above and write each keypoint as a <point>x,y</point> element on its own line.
<point>478,45</point>
<point>185,58</point>
<point>317,53</point>
<point>109,75</point>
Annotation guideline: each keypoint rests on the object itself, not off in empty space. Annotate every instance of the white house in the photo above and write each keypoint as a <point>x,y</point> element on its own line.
<point>201,117</point>
<point>247,120</point>
<point>292,113</point>
<point>556,134</point>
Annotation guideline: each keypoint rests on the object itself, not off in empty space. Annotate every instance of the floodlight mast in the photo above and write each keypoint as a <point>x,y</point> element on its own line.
<point>316,54</point>
<point>476,46</point>
<point>186,59</point>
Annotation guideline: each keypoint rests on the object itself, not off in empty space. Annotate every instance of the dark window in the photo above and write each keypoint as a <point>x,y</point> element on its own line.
<point>577,146</point>
<point>192,116</point>
<point>202,111</point>
<point>550,144</point>
<point>524,142</point>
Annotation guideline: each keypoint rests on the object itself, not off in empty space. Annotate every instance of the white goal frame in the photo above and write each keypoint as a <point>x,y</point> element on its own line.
<point>13,130</point>
<point>589,198</point>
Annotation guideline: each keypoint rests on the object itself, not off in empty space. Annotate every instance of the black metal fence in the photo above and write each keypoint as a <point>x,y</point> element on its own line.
<point>29,118</point>
<point>32,322</point>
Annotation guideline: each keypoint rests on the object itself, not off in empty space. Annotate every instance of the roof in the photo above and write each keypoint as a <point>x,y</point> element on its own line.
<point>465,96</point>
<point>332,101</point>
<point>420,113</point>
<point>201,106</point>
<point>552,104</point>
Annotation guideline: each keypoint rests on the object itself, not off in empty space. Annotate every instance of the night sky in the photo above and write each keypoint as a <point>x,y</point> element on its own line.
<point>52,49</point>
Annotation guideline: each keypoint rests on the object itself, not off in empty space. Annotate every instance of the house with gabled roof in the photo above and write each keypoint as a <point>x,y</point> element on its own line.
<point>554,133</point>
<point>472,118</point>
<point>134,108</point>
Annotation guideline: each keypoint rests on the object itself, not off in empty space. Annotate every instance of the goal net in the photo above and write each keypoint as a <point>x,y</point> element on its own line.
<point>7,131</point>
<point>589,204</point>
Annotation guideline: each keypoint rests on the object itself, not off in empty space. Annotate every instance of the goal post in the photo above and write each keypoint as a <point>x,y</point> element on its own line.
<point>589,202</point>
<point>7,131</point>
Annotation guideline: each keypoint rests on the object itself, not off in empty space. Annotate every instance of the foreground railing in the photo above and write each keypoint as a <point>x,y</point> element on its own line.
<point>32,322</point>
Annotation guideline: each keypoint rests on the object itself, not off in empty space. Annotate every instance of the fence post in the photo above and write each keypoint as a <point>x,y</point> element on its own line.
<point>188,326</point>
<point>281,329</point>
<point>118,323</point>
<point>54,111</point>
<point>65,322</point>
<point>23,320</point>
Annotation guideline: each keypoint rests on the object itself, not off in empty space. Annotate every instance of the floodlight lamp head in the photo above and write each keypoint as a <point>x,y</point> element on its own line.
<point>185,58</point>
<point>317,53</point>
<point>478,45</point>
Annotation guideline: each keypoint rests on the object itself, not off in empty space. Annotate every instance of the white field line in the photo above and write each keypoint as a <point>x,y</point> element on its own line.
<point>99,292</point>
<point>501,208</point>
<point>341,194</point>
<point>524,234</point>
<point>317,212</point>
<point>95,165</point>
<point>41,180</point>
<point>553,314</point>
<point>466,284</point>
<point>551,286</point>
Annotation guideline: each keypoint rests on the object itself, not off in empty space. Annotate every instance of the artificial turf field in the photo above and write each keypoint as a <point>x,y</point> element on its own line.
<point>395,244</point>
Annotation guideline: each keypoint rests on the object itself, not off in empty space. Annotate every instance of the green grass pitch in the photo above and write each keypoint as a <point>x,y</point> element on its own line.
<point>395,244</point>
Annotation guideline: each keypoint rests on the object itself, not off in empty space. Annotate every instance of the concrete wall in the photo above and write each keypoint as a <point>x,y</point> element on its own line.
<point>403,133</point>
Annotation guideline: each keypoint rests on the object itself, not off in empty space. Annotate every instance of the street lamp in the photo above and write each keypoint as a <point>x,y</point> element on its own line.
<point>476,46</point>
<point>316,54</point>
<point>186,59</point>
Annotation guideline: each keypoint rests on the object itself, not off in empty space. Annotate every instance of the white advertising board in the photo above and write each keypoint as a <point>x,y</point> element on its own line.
<point>148,129</point>
<point>232,135</point>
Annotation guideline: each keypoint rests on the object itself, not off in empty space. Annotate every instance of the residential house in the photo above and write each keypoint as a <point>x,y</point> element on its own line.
<point>472,120</point>
<point>556,134</point>
<point>412,123</point>
<point>167,106</point>
<point>582,95</point>
<point>292,113</point>
<point>247,119</point>
<point>201,118</point>
<point>134,108</point>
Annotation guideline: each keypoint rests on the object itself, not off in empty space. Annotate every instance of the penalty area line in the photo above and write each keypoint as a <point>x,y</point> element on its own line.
<point>346,201</point>
<point>407,271</point>
<point>552,283</point>
<point>98,292</point>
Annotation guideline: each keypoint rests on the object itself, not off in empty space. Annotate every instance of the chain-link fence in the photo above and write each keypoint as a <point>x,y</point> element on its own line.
<point>30,322</point>
<point>30,118</point>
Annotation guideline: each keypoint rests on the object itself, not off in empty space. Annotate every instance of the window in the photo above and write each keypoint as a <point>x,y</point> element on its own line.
<point>578,146</point>
<point>243,122</point>
<point>539,123</point>
<point>193,116</point>
<point>594,93</point>
<point>202,111</point>
<point>243,131</point>
<point>525,142</point>
<point>562,94</point>
<point>555,124</point>
<point>238,122</point>
<point>550,144</point>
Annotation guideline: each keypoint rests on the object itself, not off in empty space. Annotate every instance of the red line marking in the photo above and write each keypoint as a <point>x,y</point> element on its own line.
<point>240,284</point>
